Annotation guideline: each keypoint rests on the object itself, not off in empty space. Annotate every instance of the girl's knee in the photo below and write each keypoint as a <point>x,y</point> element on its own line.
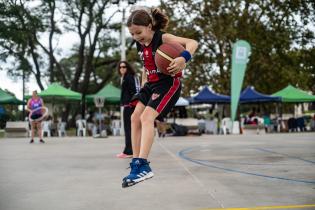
<point>146,118</point>
<point>135,117</point>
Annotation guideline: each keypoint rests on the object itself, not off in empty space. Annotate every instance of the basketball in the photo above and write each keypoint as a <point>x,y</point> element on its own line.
<point>165,55</point>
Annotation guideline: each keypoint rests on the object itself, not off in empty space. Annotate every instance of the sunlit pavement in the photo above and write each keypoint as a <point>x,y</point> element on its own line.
<point>275,171</point>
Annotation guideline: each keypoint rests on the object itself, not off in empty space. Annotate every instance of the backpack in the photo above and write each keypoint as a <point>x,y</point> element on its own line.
<point>179,130</point>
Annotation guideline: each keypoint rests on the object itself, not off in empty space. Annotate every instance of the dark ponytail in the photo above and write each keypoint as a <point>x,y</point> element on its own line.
<point>143,17</point>
<point>160,20</point>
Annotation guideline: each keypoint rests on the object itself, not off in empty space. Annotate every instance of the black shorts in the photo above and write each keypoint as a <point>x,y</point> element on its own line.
<point>36,116</point>
<point>161,95</point>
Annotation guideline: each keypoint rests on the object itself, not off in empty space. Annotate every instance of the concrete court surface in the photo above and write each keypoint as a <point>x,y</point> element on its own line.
<point>273,171</point>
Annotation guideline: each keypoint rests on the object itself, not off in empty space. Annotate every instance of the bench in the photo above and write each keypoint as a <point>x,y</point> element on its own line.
<point>16,129</point>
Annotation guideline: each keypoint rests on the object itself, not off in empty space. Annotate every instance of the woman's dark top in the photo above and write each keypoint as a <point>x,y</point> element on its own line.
<point>129,87</point>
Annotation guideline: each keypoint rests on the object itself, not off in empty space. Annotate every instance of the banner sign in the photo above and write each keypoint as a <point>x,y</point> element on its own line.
<point>240,54</point>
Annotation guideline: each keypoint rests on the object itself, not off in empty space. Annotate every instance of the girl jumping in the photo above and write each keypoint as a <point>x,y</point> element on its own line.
<point>159,91</point>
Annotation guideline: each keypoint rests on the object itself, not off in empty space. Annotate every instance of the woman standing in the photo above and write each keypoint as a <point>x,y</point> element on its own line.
<point>130,85</point>
<point>35,103</point>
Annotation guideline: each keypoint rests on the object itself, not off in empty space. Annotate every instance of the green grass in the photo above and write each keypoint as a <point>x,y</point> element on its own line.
<point>310,112</point>
<point>71,132</point>
<point>1,133</point>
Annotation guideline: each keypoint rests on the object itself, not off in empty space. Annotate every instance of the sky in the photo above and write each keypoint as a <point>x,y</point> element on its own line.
<point>15,85</point>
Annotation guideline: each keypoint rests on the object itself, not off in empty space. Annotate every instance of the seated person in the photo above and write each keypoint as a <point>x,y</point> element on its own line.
<point>54,126</point>
<point>267,122</point>
<point>90,123</point>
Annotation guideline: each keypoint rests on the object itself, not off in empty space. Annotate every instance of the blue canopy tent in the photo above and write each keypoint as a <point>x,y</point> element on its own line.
<point>206,96</point>
<point>250,95</point>
<point>182,102</point>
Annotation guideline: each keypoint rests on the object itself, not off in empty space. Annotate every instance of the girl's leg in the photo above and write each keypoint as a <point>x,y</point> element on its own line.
<point>136,129</point>
<point>147,133</point>
<point>33,127</point>
<point>39,129</point>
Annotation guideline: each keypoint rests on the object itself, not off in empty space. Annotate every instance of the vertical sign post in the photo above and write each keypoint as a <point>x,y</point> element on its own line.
<point>240,54</point>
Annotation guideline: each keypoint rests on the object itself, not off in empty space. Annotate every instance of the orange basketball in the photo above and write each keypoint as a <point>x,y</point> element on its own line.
<point>165,54</point>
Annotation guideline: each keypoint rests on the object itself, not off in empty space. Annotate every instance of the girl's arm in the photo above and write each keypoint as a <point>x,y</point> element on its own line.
<point>190,45</point>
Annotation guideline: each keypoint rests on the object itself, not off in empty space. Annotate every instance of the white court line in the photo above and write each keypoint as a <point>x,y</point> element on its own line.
<point>191,174</point>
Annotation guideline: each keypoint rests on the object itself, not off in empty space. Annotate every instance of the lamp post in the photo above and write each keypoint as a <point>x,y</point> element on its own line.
<point>123,35</point>
<point>123,46</point>
<point>23,87</point>
<point>99,102</point>
<point>123,24</point>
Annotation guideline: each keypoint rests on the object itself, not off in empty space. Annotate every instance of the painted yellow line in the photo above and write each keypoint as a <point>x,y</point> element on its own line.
<point>164,55</point>
<point>268,207</point>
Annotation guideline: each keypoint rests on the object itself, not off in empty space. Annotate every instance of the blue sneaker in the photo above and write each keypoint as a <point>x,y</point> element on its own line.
<point>134,167</point>
<point>140,171</point>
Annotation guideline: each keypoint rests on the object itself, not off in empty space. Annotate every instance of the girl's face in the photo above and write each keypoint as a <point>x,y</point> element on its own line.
<point>142,34</point>
<point>34,94</point>
<point>122,68</point>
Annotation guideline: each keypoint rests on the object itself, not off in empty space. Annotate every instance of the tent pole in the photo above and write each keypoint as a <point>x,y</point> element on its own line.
<point>23,77</point>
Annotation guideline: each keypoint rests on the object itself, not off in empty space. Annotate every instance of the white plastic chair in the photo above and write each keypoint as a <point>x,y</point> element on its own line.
<point>236,127</point>
<point>211,126</point>
<point>81,127</point>
<point>115,126</point>
<point>94,130</point>
<point>226,125</point>
<point>62,129</point>
<point>46,128</point>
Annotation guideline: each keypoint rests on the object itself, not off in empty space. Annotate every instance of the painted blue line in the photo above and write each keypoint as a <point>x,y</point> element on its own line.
<point>247,163</point>
<point>182,155</point>
<point>283,154</point>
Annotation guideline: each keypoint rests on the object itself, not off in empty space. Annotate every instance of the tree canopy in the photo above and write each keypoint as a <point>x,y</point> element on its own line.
<point>31,31</point>
<point>281,34</point>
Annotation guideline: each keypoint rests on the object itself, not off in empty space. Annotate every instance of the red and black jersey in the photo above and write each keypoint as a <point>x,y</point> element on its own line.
<point>147,54</point>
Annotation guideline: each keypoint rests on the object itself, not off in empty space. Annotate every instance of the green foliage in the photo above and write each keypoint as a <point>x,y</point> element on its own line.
<point>17,26</point>
<point>280,34</point>
<point>30,33</point>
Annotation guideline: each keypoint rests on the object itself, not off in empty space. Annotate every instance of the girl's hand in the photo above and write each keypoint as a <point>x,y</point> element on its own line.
<point>177,65</point>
